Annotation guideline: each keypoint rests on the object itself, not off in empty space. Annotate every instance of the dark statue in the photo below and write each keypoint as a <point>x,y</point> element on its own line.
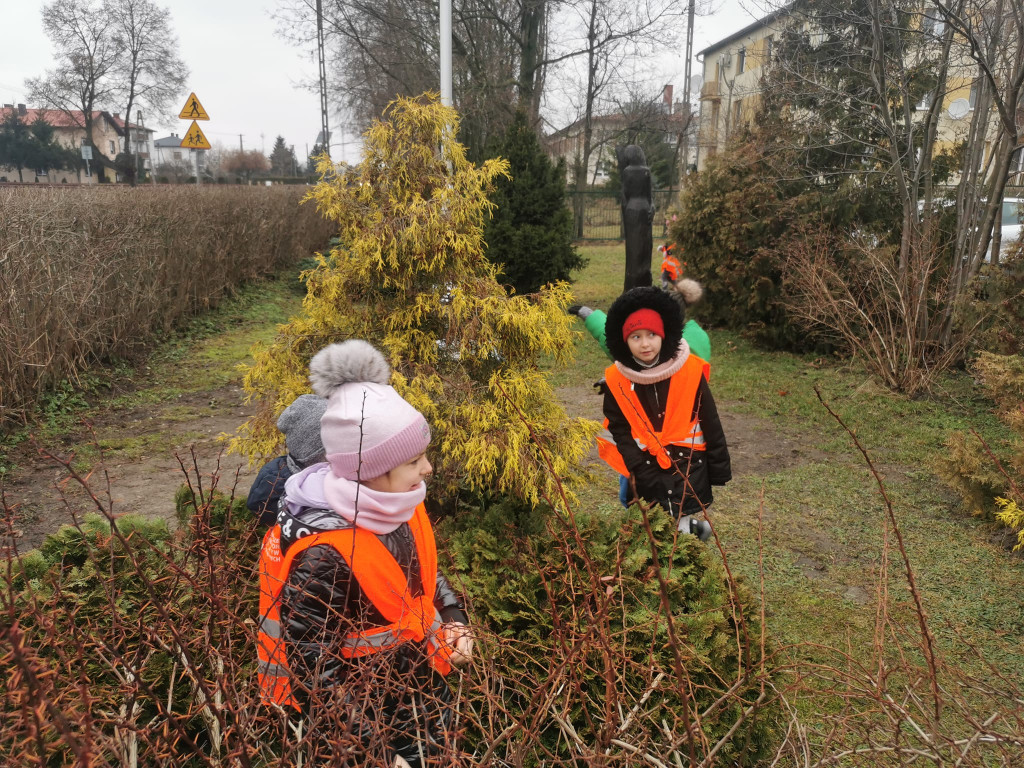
<point>637,214</point>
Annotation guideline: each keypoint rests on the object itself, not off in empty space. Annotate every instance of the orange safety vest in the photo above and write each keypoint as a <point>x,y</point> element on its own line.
<point>413,619</point>
<point>671,265</point>
<point>680,426</point>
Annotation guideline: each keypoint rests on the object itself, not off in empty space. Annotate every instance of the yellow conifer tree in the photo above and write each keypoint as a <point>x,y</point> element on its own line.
<point>410,275</point>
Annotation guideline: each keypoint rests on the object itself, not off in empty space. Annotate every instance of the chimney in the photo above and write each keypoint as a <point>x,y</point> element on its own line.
<point>22,110</point>
<point>117,115</point>
<point>666,94</point>
<point>8,106</point>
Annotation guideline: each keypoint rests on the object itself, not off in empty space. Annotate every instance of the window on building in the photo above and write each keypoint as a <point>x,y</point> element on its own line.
<point>741,61</point>
<point>737,109</point>
<point>714,119</point>
<point>973,99</point>
<point>112,149</point>
<point>925,103</point>
<point>1017,160</point>
<point>932,22</point>
<point>177,155</point>
<point>769,46</point>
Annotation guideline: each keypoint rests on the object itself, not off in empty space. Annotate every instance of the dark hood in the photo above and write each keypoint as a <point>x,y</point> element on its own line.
<point>639,298</point>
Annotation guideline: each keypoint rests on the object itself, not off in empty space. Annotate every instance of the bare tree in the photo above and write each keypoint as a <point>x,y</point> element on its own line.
<point>594,66</point>
<point>389,48</point>
<point>87,55</point>
<point>245,163</point>
<point>989,33</point>
<point>863,85</point>
<point>503,51</point>
<point>150,72</point>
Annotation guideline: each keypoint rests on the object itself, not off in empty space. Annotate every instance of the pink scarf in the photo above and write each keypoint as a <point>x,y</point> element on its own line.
<point>659,372</point>
<point>316,487</point>
<point>376,511</point>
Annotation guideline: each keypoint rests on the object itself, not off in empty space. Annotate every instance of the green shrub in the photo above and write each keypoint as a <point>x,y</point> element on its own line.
<point>968,467</point>
<point>124,629</point>
<point>998,307</point>
<point>221,511</point>
<point>530,233</point>
<point>732,214</point>
<point>580,609</point>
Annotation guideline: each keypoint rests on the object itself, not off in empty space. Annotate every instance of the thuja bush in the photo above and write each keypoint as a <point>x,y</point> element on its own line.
<point>410,275</point>
<point>90,274</point>
<point>990,479</point>
<point>610,639</point>
<point>995,311</point>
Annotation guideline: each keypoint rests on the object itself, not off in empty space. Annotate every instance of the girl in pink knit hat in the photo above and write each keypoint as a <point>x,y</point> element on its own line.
<point>358,627</point>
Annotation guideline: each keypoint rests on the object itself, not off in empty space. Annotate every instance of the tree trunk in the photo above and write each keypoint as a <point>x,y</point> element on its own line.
<point>131,167</point>
<point>532,49</point>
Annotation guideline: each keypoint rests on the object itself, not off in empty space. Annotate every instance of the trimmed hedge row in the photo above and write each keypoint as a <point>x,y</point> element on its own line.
<point>90,273</point>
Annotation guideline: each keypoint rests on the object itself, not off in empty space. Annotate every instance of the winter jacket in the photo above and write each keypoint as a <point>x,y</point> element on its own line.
<point>267,490</point>
<point>321,602</point>
<point>697,338</point>
<point>594,323</point>
<point>694,472</point>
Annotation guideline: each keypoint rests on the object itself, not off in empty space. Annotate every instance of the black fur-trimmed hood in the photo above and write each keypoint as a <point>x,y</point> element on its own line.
<point>639,298</point>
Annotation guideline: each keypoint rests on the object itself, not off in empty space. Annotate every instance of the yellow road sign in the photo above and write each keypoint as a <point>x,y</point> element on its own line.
<point>195,139</point>
<point>193,110</point>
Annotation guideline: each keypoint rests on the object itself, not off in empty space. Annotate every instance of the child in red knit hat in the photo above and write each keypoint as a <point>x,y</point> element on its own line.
<point>668,438</point>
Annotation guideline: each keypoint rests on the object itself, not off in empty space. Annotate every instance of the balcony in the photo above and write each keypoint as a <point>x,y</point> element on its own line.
<point>710,91</point>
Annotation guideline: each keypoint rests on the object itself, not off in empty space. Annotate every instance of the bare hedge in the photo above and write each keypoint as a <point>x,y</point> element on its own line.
<point>86,274</point>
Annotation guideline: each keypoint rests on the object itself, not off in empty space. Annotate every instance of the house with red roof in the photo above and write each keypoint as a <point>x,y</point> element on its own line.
<point>109,134</point>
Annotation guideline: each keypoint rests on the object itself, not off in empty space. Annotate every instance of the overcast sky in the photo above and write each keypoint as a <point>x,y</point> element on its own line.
<point>249,80</point>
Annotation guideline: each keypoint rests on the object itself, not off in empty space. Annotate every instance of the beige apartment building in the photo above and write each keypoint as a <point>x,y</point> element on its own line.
<point>732,85</point>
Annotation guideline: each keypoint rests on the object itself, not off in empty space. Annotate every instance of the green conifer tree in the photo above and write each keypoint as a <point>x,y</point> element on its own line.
<point>411,277</point>
<point>530,234</point>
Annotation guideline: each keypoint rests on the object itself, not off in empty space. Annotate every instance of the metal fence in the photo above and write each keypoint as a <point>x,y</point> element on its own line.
<point>598,214</point>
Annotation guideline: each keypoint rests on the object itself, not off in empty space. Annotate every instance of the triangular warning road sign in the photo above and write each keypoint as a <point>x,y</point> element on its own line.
<point>195,139</point>
<point>193,110</point>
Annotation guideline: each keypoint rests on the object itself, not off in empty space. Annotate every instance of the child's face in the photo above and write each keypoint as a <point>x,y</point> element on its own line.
<point>403,478</point>
<point>644,345</point>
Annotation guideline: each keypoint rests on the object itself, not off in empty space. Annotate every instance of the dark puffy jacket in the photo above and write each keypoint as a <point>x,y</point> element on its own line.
<point>695,471</point>
<point>321,602</point>
<point>267,490</point>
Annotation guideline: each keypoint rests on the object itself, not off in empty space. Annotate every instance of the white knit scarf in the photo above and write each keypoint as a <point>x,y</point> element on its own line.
<point>658,372</point>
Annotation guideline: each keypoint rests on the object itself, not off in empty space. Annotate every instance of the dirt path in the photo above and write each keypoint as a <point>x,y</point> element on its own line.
<point>188,430</point>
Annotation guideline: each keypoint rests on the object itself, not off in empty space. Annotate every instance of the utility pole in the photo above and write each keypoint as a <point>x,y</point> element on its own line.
<point>685,138</point>
<point>446,52</point>
<point>240,147</point>
<point>325,130</point>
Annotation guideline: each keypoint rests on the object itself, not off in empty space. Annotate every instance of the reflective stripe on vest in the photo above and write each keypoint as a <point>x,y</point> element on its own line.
<point>383,582</point>
<point>680,427</point>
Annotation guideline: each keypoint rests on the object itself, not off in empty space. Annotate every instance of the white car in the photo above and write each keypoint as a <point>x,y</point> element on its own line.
<point>1013,208</point>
